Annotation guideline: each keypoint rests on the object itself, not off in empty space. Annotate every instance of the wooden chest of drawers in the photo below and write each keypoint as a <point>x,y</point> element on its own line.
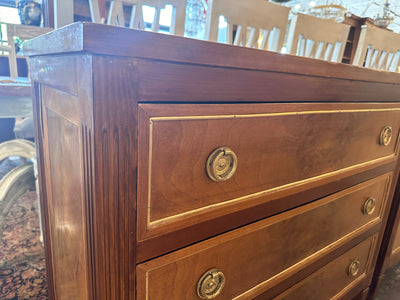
<point>174,168</point>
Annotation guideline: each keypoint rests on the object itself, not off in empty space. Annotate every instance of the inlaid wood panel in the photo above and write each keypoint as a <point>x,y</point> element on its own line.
<point>65,195</point>
<point>258,256</point>
<point>333,280</point>
<point>277,147</point>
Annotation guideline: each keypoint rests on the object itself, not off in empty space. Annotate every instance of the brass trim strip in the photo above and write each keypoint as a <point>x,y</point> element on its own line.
<point>257,194</point>
<point>359,278</point>
<point>149,173</point>
<point>293,113</point>
<point>303,263</point>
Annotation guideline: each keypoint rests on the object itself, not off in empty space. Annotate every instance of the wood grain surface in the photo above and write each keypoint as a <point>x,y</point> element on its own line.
<point>85,37</point>
<point>114,175</point>
<point>66,201</point>
<point>332,281</point>
<point>277,148</point>
<point>265,252</point>
<point>125,121</point>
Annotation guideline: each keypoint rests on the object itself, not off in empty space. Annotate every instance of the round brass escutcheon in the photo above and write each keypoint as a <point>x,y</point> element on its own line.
<point>386,136</point>
<point>354,268</point>
<point>369,206</point>
<point>221,164</point>
<point>210,284</point>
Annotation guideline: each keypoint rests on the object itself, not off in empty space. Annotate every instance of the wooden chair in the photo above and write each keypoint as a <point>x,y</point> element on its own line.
<point>95,15</point>
<point>23,32</point>
<point>260,24</point>
<point>317,38</point>
<point>116,14</point>
<point>378,49</point>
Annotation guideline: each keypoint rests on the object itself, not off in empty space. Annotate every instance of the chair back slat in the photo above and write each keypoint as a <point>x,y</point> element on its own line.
<point>116,14</point>
<point>378,48</point>
<point>326,37</point>
<point>260,24</point>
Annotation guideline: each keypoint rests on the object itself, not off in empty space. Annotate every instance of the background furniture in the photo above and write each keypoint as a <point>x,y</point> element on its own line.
<point>15,102</point>
<point>355,23</point>
<point>378,48</point>
<point>20,179</point>
<point>116,14</point>
<point>23,32</point>
<point>240,173</point>
<point>317,38</point>
<point>259,25</point>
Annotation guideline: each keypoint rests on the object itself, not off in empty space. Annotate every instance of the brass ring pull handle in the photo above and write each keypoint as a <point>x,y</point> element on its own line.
<point>210,284</point>
<point>354,268</point>
<point>221,164</point>
<point>369,206</point>
<point>386,136</point>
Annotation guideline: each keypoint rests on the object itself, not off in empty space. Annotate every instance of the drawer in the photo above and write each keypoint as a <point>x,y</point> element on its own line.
<point>336,278</point>
<point>256,257</point>
<point>185,160</point>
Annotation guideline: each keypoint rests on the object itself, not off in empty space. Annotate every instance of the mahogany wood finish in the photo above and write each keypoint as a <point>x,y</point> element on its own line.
<point>263,251</point>
<point>173,187</point>
<point>328,282</point>
<point>125,121</point>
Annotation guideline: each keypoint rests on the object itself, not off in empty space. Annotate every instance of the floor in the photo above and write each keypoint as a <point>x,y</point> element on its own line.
<point>22,261</point>
<point>390,286</point>
<point>22,266</point>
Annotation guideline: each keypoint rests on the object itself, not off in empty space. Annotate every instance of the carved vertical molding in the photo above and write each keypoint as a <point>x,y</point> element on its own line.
<point>115,151</point>
<point>88,179</point>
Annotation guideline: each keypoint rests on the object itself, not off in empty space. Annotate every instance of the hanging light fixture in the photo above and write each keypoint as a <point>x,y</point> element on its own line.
<point>386,18</point>
<point>333,10</point>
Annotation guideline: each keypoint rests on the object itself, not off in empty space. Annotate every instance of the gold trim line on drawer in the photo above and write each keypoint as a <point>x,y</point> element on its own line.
<point>257,194</point>
<point>291,113</point>
<point>260,193</point>
<point>361,277</point>
<point>303,263</point>
<point>265,286</point>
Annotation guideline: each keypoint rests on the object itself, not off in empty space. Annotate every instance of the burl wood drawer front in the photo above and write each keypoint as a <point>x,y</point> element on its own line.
<point>267,148</point>
<point>258,256</point>
<point>337,277</point>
